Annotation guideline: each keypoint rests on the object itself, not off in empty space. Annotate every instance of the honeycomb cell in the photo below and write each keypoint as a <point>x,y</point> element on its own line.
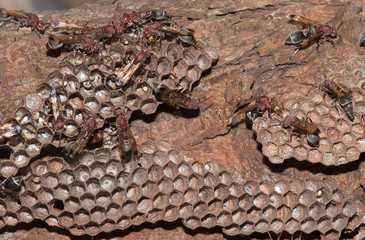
<point>71,84</point>
<point>254,215</point>
<point>93,186</point>
<point>308,225</point>
<point>324,224</point>
<point>317,211</point>
<point>91,229</point>
<point>123,223</point>
<point>28,131</point>
<point>339,223</point>
<point>332,209</point>
<point>82,217</point>
<point>247,228</point>
<point>171,214</point>
<point>191,56</point>
<point>192,222</point>
<point>40,211</point>
<point>113,211</point>
<point>66,219</point>
<point>329,159</point>
<point>24,215</point>
<point>82,173</point>
<point>65,67</point>
<point>282,187</point>
<point>291,199</point>
<point>97,214</point>
<point>224,219</point>
<point>230,204</point>
<point>292,226</point>
<point>262,226</point>
<point>8,169</point>
<point>144,205</point>
<point>87,201</point>
<point>97,170</point>
<point>77,189</point>
<point>231,230</point>
<point>44,195</point>
<point>270,149</point>
<point>82,73</point>
<point>133,192</point>
<point>261,200</point>
<point>21,159</point>
<point>333,134</point>
<point>61,192</point>
<point>72,204</point>
<point>76,101</point>
<point>54,79</point>
<point>215,207</point>
<point>301,153</point>
<point>191,196</point>
<point>28,199</point>
<point>352,154</point>
<point>103,199</point>
<point>221,192</point>
<point>10,219</point>
<point>307,198</point>
<point>339,148</point>
<point>49,180</point>
<point>338,196</point>
<point>139,176</point>
<point>349,208</point>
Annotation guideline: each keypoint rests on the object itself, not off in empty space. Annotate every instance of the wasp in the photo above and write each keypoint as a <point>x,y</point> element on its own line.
<point>311,32</point>
<point>85,43</point>
<point>341,93</point>
<point>127,143</point>
<point>75,147</point>
<point>157,30</point>
<point>126,73</point>
<point>176,99</point>
<point>9,129</point>
<point>257,109</point>
<point>11,185</point>
<point>24,19</point>
<point>306,127</point>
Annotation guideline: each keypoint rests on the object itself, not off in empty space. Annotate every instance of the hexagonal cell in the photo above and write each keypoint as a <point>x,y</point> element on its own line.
<point>44,195</point>
<point>221,191</point>
<point>71,84</point>
<point>49,180</point>
<point>192,222</point>
<point>87,201</point>
<point>28,199</point>
<point>96,77</point>
<point>66,219</point>
<point>133,192</point>
<point>180,183</point>
<point>61,192</point>
<point>338,196</point>
<point>82,173</point>
<point>261,200</point>
<point>24,215</point>
<point>191,196</point>
<point>180,69</point>
<point>114,212</point>
<point>277,226</point>
<point>92,229</point>
<point>292,226</point>
<point>77,189</point>
<point>139,176</point>
<point>269,213</point>
<point>124,180</point>
<point>339,223</point>
<point>97,170</point>
<point>308,225</point>
<point>72,204</point>
<point>20,159</point>
<point>210,180</point>
<point>352,154</point>
<point>93,186</point>
<point>262,226</point>
<point>10,219</point>
<point>133,102</point>
<point>329,159</point>
<point>28,131</point>
<point>129,208</point>
<point>76,101</point>
<point>97,214</point>
<point>123,223</point>
<point>66,67</point>
<point>247,228</point>
<point>270,149</point>
<point>107,226</point>
<point>71,128</point>
<point>164,66</point>
<point>307,198</point>
<point>190,55</point>
<point>54,79</point>
<point>324,224</point>
<point>40,211</point>
<point>82,73</point>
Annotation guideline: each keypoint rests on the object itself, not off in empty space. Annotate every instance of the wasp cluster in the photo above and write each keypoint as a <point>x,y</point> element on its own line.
<point>98,194</point>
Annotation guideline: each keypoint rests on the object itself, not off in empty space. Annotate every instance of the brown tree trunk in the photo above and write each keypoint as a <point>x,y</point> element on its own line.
<point>253,61</point>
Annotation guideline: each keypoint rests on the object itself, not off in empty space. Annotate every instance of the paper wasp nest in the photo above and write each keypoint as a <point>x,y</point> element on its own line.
<point>95,193</point>
<point>341,140</point>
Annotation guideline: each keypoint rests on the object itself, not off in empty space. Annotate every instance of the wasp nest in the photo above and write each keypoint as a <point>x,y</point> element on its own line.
<point>96,193</point>
<point>340,139</point>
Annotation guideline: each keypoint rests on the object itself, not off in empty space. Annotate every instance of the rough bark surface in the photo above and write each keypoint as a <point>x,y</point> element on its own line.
<point>253,61</point>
